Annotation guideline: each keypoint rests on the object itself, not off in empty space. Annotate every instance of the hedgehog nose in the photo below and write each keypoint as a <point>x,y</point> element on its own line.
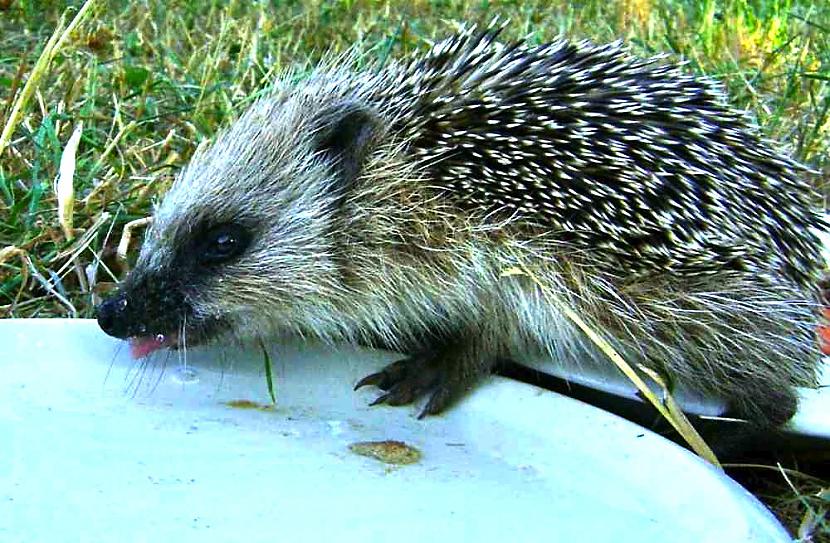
<point>110,316</point>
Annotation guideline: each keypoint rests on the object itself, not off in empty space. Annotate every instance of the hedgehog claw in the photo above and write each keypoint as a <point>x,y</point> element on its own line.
<point>387,377</point>
<point>406,380</point>
<point>439,400</point>
<point>373,379</point>
<point>379,400</point>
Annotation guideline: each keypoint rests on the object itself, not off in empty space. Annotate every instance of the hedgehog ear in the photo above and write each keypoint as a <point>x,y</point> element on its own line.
<point>345,136</point>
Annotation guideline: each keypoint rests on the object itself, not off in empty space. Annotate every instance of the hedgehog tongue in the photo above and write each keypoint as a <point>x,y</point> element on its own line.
<point>142,346</point>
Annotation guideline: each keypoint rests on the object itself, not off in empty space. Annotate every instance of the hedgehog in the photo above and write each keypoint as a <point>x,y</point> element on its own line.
<point>391,205</point>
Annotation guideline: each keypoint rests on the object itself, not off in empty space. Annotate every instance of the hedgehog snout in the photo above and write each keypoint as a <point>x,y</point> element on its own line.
<point>145,304</point>
<point>111,315</point>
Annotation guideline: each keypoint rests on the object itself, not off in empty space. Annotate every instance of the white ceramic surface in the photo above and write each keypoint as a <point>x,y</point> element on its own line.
<point>812,419</point>
<point>95,448</point>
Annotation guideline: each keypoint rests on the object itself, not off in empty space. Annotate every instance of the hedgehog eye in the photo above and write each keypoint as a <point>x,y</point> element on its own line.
<point>224,242</point>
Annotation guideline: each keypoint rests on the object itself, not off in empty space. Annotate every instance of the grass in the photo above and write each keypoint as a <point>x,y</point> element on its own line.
<point>148,80</point>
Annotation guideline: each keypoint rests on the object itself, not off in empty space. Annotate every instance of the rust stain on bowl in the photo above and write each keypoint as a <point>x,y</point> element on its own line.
<point>249,404</point>
<point>388,452</point>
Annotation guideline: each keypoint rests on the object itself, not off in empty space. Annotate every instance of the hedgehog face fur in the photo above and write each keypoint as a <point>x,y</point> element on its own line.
<point>218,248</point>
<point>384,206</point>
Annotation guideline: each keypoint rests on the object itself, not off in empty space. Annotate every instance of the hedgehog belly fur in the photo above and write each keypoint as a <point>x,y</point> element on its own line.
<point>720,334</point>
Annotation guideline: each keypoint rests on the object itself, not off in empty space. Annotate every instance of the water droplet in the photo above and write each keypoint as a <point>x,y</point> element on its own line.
<point>335,427</point>
<point>185,375</point>
<point>160,338</point>
<point>122,303</point>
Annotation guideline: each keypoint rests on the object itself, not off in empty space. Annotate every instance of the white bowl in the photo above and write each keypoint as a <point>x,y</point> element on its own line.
<point>99,448</point>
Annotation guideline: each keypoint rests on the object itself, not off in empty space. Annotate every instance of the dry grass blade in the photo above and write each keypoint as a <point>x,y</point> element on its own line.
<point>82,243</point>
<point>91,197</point>
<point>667,408</point>
<point>64,187</point>
<point>127,236</point>
<point>11,252</point>
<point>51,48</point>
<point>49,287</point>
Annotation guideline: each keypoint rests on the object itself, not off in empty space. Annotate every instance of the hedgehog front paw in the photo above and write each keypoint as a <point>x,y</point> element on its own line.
<point>406,380</point>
